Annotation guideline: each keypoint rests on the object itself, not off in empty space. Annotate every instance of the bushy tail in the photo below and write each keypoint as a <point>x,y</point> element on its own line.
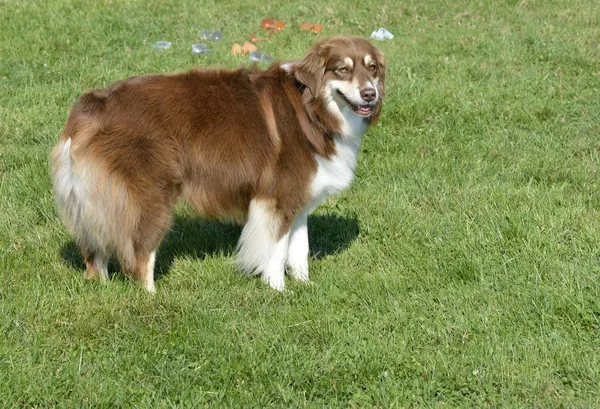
<point>94,208</point>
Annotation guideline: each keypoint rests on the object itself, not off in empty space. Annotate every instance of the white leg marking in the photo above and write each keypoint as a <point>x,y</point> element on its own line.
<point>149,279</point>
<point>274,273</point>
<point>101,264</point>
<point>298,248</point>
<point>258,250</point>
<point>255,245</point>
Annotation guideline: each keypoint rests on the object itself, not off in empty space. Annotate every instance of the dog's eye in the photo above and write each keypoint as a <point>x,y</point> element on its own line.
<point>372,68</point>
<point>343,70</point>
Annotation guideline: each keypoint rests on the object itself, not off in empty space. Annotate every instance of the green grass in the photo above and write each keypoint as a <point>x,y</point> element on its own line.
<point>460,270</point>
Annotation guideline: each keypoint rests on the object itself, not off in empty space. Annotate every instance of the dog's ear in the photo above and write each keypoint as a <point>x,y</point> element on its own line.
<point>380,86</point>
<point>311,69</point>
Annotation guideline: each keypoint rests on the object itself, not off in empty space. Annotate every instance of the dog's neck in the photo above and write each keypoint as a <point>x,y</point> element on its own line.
<point>336,123</point>
<point>351,126</point>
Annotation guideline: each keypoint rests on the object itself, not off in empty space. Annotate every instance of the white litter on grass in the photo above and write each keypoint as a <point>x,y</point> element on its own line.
<point>382,34</point>
<point>201,49</point>
<point>207,35</point>
<point>216,36</point>
<point>161,45</point>
<point>256,56</point>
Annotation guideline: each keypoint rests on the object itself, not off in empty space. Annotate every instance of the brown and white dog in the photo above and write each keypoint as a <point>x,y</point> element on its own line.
<point>261,148</point>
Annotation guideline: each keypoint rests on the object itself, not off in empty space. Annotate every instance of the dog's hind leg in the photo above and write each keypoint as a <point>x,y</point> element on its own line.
<point>143,269</point>
<point>155,219</point>
<point>96,264</point>
<point>263,245</point>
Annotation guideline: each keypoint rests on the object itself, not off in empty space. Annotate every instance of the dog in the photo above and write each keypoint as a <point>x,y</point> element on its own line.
<point>259,148</point>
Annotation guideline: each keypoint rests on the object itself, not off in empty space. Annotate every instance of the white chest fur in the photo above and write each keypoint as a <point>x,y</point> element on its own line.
<point>335,173</point>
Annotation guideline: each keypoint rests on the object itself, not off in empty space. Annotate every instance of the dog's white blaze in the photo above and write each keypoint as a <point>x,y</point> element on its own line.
<point>375,86</point>
<point>258,250</point>
<point>149,279</point>
<point>298,248</point>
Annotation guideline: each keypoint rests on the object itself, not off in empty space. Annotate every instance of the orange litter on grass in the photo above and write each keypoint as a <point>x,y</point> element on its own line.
<point>248,47</point>
<point>256,39</point>
<point>313,28</point>
<point>279,25</point>
<point>236,49</point>
<point>267,24</point>
<point>272,25</point>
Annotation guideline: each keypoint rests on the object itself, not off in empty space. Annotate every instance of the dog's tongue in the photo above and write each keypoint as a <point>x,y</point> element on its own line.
<point>364,109</point>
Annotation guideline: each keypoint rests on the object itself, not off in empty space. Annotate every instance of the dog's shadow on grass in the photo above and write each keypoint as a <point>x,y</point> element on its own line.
<point>198,238</point>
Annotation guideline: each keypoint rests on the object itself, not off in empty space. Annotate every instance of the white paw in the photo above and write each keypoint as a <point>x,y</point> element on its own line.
<point>276,283</point>
<point>150,287</point>
<point>299,274</point>
<point>298,269</point>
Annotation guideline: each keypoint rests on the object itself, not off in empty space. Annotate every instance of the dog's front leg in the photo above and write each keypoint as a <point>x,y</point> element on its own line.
<point>263,245</point>
<point>298,248</point>
<point>274,272</point>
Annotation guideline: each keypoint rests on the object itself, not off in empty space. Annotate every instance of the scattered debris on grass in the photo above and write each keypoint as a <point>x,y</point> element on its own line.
<point>248,47</point>
<point>313,28</point>
<point>382,34</point>
<point>236,49</point>
<point>267,24</point>
<point>272,26</point>
<point>256,56</point>
<point>161,45</point>
<point>201,49</point>
<point>279,25</point>
<point>216,36</point>
<point>462,15</point>
<point>207,35</point>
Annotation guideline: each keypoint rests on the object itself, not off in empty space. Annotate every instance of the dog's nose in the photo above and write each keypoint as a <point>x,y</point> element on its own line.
<point>368,94</point>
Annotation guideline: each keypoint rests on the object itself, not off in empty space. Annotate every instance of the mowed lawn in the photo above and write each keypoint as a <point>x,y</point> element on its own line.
<point>461,269</point>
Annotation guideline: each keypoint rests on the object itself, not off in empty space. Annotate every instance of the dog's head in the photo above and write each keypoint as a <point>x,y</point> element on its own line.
<point>348,71</point>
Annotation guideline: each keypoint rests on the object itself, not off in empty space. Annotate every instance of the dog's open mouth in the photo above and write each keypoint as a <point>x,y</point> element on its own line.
<point>362,110</point>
